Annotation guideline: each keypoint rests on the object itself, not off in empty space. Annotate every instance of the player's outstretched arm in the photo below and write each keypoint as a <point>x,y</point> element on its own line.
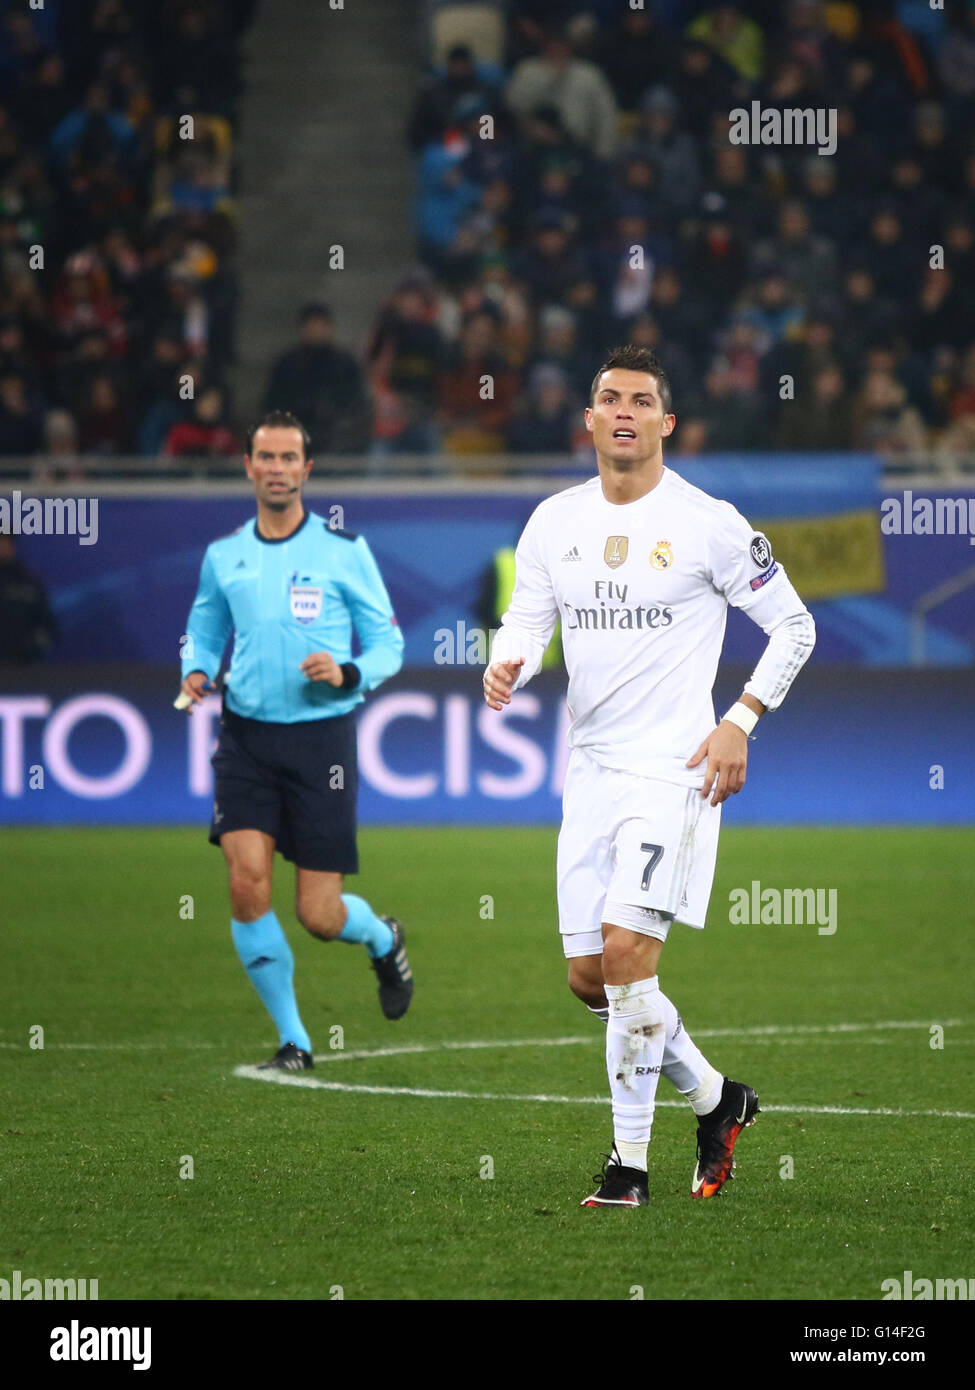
<point>499,677</point>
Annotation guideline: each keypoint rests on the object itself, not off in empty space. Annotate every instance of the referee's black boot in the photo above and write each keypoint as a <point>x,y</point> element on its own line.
<point>394,974</point>
<point>290,1057</point>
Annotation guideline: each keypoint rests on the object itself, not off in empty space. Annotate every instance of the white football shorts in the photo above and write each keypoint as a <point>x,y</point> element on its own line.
<point>632,841</point>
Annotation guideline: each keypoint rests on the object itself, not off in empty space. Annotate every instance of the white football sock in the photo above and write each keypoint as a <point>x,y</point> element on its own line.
<point>686,1067</point>
<point>635,1038</point>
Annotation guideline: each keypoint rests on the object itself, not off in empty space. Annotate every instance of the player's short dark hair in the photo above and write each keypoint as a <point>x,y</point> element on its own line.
<point>631,358</point>
<point>279,420</point>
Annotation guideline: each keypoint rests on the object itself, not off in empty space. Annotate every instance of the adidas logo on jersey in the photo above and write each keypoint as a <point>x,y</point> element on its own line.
<point>572,554</point>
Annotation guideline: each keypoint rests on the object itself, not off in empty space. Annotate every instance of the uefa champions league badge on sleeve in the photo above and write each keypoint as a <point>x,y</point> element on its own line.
<point>761,553</point>
<point>306,598</point>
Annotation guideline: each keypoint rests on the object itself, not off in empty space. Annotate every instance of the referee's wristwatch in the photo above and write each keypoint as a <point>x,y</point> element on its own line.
<point>351,675</point>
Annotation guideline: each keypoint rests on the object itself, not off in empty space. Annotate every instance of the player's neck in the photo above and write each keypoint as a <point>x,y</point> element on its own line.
<point>622,486</point>
<point>278,525</point>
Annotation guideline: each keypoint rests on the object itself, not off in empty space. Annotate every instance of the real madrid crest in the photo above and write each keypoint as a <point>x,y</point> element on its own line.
<point>615,553</point>
<point>661,556</point>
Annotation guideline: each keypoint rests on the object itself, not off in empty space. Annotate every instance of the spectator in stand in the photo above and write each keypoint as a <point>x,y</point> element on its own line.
<point>733,37</point>
<point>28,627</point>
<point>941,317</point>
<point>868,317</point>
<point>559,345</point>
<point>473,421</point>
<point>93,131</point>
<point>405,355</point>
<point>690,437</point>
<point>683,315</point>
<point>436,102</point>
<point>323,386</point>
<point>716,257</point>
<point>21,419</point>
<point>41,100</point>
<point>82,303</point>
<point>808,40</point>
<point>61,445</point>
<point>730,190</point>
<point>207,433</point>
<point>820,417</point>
<point>936,152</point>
<point>799,357</point>
<point>959,244</point>
<point>884,422</point>
<point>636,52</point>
<point>445,197</point>
<point>547,147</point>
<point>551,262</point>
<point>703,83</point>
<point>545,423</point>
<point>671,150</point>
<point>576,87</point>
<point>830,211</point>
<point>13,351</point>
<point>105,425</point>
<point>896,266</point>
<point>956,64</point>
<point>807,261</point>
<point>733,417</point>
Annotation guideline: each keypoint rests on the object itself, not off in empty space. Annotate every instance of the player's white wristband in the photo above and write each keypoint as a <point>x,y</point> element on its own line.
<point>740,714</point>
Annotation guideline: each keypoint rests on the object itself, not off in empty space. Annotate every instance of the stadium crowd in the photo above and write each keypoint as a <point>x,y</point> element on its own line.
<point>793,295</point>
<point>117,278</point>
<point>580,190</point>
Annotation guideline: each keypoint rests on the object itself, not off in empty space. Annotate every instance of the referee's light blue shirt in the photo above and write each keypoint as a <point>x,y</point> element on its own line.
<point>283,600</point>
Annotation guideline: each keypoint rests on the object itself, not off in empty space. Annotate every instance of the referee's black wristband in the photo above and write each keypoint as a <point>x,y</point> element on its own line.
<point>351,675</point>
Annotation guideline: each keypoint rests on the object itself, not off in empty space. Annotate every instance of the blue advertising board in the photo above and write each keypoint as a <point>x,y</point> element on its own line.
<point>103,745</point>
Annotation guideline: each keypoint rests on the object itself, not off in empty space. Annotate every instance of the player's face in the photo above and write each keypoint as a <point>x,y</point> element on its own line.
<point>626,419</point>
<point>277,466</point>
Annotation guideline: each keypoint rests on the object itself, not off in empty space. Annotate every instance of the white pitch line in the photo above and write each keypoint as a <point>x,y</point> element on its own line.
<point>763,1032</point>
<point>411,1049</point>
<point>775,1030</point>
<point>312,1083</point>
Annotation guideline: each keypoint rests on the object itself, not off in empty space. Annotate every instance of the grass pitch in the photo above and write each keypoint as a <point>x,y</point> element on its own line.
<point>300,1191</point>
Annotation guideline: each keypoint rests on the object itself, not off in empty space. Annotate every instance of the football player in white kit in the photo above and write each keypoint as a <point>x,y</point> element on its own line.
<point>640,566</point>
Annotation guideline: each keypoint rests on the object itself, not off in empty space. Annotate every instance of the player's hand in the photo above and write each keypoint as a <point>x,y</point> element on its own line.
<point>499,677</point>
<point>322,666</point>
<point>727,753</point>
<point>196,688</point>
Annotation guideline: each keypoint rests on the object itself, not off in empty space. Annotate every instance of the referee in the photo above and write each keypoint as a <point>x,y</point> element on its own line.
<point>291,589</point>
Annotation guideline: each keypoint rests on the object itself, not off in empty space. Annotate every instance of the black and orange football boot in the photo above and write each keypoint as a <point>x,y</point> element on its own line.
<point>717,1134</point>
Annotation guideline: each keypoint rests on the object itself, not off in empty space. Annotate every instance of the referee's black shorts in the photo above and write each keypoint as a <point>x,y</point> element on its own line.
<point>296,782</point>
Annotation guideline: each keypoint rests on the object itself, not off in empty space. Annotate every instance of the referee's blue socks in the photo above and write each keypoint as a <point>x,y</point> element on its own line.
<point>364,928</point>
<point>266,956</point>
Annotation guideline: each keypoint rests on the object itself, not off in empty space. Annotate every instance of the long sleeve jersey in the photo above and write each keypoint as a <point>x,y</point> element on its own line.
<point>283,600</point>
<point>643,590</point>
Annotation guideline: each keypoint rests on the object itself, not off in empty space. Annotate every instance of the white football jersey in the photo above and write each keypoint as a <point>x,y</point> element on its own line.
<point>642,590</point>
